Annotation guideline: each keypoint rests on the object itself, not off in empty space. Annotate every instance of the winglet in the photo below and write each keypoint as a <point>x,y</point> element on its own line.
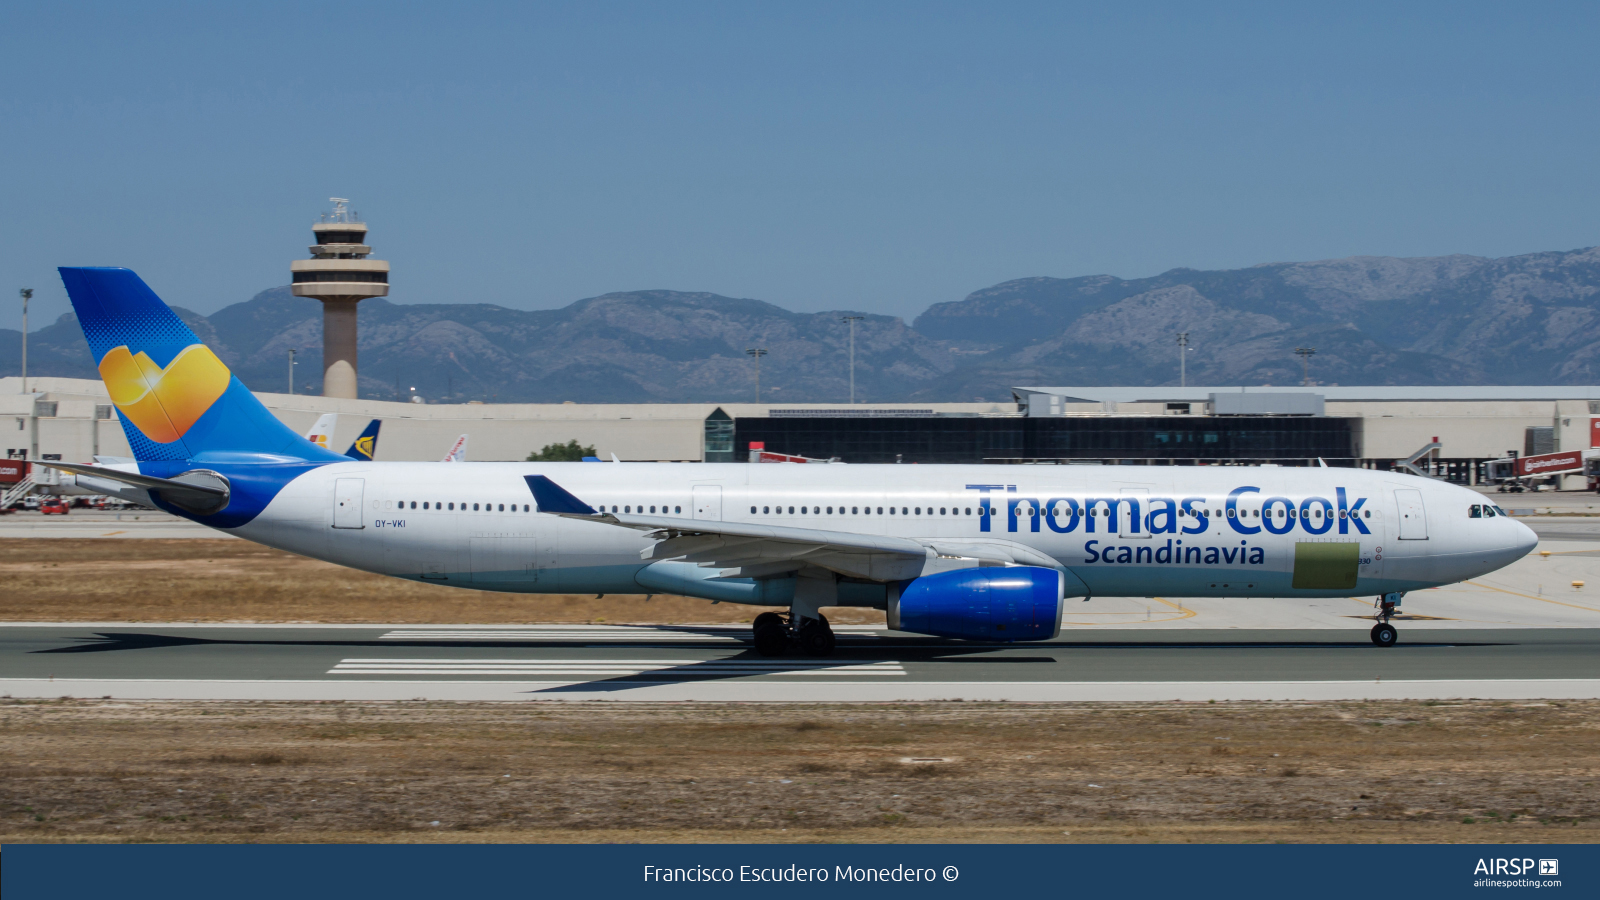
<point>553,498</point>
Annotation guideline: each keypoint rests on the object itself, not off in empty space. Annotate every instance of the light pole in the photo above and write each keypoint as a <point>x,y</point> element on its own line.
<point>1183,359</point>
<point>27,294</point>
<point>1305,354</point>
<point>291,372</point>
<point>757,354</point>
<point>852,320</point>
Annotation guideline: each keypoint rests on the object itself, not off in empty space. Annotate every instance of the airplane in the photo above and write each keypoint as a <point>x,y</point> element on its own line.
<point>977,552</point>
<point>458,451</point>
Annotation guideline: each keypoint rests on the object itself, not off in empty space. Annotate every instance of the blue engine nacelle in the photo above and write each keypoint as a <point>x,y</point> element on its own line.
<point>1015,603</point>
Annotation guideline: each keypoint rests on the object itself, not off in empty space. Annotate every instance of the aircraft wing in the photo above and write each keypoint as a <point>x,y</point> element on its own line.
<point>749,550</point>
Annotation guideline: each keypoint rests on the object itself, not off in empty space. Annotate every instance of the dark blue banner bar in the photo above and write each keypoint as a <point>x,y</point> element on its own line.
<point>312,872</point>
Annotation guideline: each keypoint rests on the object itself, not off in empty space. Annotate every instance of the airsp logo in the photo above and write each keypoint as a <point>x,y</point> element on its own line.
<point>1515,867</point>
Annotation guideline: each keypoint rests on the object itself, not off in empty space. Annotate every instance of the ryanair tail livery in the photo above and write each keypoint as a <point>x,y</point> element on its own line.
<point>989,553</point>
<point>366,445</point>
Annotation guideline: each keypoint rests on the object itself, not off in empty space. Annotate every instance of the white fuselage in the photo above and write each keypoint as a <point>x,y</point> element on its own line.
<point>1198,531</point>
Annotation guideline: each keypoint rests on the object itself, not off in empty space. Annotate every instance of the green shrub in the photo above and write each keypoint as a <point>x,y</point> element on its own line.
<point>571,451</point>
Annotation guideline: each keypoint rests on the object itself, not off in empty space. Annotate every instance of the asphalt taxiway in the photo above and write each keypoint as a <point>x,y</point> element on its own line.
<point>659,663</point>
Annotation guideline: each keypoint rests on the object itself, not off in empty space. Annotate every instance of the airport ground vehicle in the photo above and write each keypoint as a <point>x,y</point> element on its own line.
<point>54,506</point>
<point>972,552</point>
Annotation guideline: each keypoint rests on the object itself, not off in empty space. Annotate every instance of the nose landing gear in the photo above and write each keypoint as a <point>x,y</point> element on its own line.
<point>1384,634</point>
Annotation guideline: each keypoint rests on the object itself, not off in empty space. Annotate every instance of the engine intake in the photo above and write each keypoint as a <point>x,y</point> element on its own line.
<point>1014,603</point>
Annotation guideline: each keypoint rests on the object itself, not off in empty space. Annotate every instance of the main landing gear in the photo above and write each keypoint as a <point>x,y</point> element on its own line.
<point>1384,634</point>
<point>775,637</point>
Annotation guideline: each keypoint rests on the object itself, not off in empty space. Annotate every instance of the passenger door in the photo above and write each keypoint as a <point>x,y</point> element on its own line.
<point>708,502</point>
<point>1129,523</point>
<point>347,511</point>
<point>1413,518</point>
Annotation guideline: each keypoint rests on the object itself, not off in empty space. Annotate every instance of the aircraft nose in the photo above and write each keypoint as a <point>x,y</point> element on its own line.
<point>1524,540</point>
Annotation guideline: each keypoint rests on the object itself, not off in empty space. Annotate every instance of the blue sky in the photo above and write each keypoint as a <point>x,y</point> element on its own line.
<point>877,157</point>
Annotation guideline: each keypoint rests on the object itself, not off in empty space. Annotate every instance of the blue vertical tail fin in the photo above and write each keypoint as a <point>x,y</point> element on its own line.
<point>366,445</point>
<point>176,400</point>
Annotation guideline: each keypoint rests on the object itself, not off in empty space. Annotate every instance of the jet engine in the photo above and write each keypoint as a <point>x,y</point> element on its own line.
<point>992,603</point>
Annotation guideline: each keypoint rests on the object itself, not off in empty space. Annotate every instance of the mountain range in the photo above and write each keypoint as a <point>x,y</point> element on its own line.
<point>1530,319</point>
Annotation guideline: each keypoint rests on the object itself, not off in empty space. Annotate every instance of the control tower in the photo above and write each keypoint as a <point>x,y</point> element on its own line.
<point>340,275</point>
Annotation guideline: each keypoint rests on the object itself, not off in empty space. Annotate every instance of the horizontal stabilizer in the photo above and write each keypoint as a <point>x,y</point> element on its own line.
<point>206,493</point>
<point>553,498</point>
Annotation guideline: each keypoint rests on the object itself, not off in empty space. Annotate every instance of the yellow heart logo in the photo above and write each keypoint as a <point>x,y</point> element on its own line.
<point>164,403</point>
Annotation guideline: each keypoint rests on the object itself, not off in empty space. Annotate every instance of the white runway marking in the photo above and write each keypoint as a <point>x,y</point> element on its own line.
<point>598,634</point>
<point>606,668</point>
<point>559,633</point>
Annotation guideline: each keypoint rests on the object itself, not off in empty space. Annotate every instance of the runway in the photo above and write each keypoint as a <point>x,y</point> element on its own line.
<point>661,663</point>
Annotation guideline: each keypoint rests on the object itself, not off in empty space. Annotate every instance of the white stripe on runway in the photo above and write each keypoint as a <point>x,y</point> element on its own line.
<point>607,667</point>
<point>529,634</point>
<point>598,633</point>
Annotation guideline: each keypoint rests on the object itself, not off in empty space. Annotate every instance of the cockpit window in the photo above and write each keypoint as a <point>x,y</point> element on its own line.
<point>1476,512</point>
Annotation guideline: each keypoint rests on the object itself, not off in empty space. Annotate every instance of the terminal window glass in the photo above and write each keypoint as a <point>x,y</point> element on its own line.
<point>1293,439</point>
<point>719,437</point>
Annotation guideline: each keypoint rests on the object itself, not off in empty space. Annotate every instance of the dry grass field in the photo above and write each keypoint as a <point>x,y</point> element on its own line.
<point>78,770</point>
<point>63,580</point>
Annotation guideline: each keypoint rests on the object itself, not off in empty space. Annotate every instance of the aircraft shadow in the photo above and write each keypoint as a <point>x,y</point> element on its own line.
<point>906,649</point>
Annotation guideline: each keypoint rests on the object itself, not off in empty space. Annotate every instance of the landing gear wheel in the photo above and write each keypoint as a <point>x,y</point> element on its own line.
<point>816,639</point>
<point>771,634</point>
<point>1384,634</point>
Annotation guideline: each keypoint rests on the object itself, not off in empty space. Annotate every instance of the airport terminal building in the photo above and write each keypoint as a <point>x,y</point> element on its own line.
<point>1449,432</point>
